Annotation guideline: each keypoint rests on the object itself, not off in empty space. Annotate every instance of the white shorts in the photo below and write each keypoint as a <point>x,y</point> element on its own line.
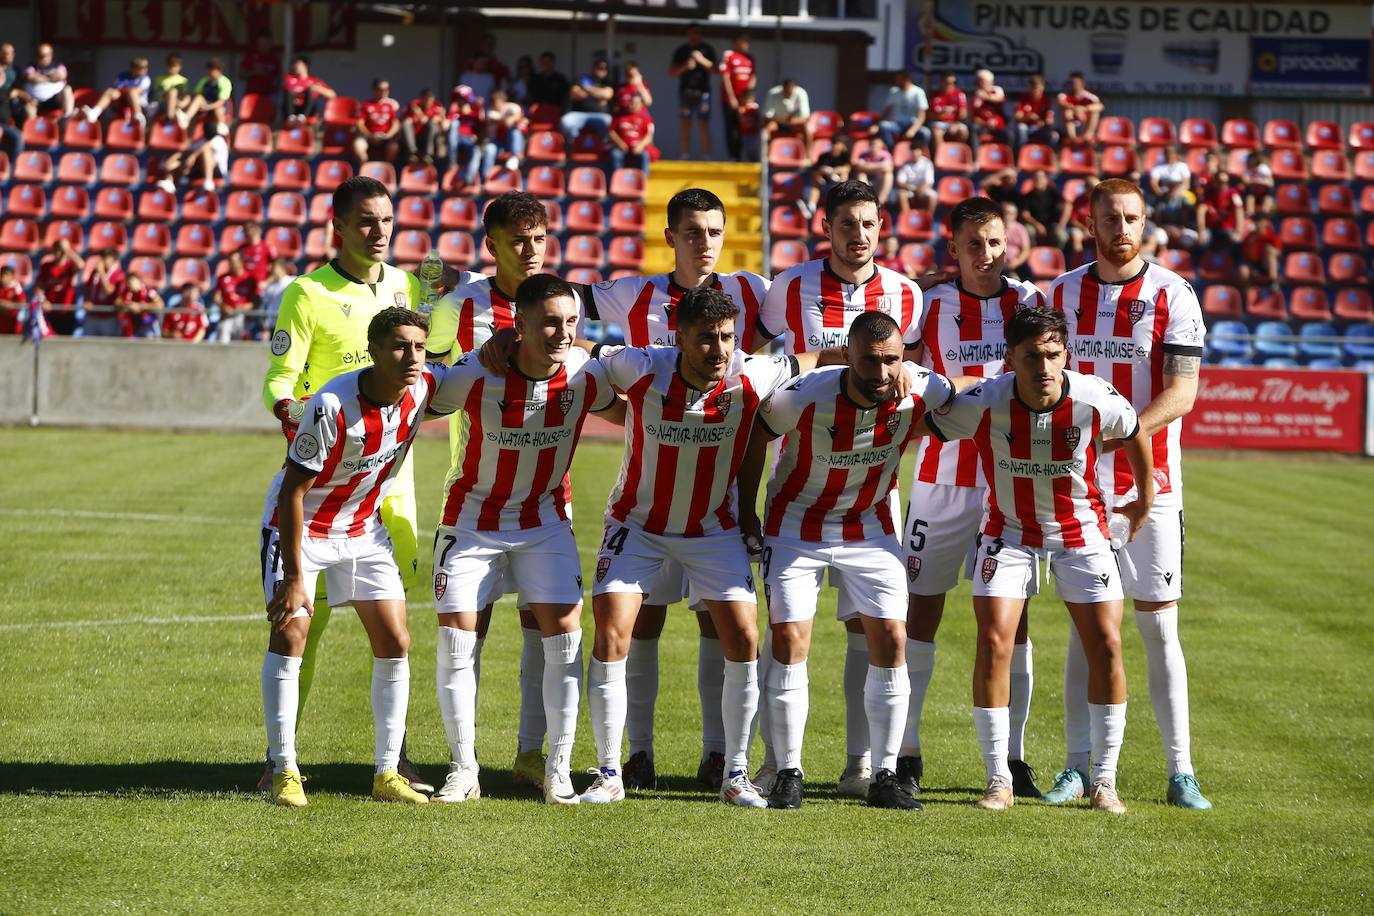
<point>669,586</point>
<point>1082,575</point>
<point>361,568</point>
<point>942,523</point>
<point>1152,564</point>
<point>632,560</point>
<point>870,580</point>
<point>474,568</point>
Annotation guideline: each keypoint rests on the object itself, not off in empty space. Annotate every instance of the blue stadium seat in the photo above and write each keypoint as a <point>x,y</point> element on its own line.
<point>1326,364</point>
<point>1279,362</point>
<point>1230,340</point>
<point>1269,342</point>
<point>1312,348</point>
<point>1359,342</point>
<point>1236,362</point>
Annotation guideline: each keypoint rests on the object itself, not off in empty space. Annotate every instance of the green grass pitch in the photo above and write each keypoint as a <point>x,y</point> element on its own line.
<point>131,734</point>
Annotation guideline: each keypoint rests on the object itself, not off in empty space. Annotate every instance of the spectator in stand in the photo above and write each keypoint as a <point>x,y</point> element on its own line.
<point>590,100</point>
<point>1073,222</point>
<point>213,97</point>
<point>185,317</point>
<point>10,137</point>
<point>260,67</point>
<point>306,95</point>
<point>103,286</point>
<point>548,86</point>
<point>1168,184</point>
<point>138,307</point>
<point>631,136</point>
<point>519,88</point>
<point>1259,184</point>
<point>832,167</point>
<point>483,72</point>
<point>738,75</point>
<point>1259,254</point>
<point>14,302</point>
<point>889,254</point>
<point>787,111</point>
<point>423,126</point>
<point>949,112</point>
<point>131,87</point>
<point>1018,241</point>
<point>749,116</point>
<point>904,113</point>
<point>1035,115</point>
<point>1211,175</point>
<point>171,92</point>
<point>45,86</point>
<point>634,85</point>
<point>988,108</point>
<point>506,127</point>
<point>279,277</point>
<point>692,65</point>
<point>1221,214</point>
<point>1081,110</point>
<point>379,122</point>
<point>1000,186</point>
<point>916,181</point>
<point>236,292</point>
<point>874,166</point>
<point>206,159</point>
<point>56,286</point>
<point>467,124</point>
<point>1042,208</point>
<point>257,253</point>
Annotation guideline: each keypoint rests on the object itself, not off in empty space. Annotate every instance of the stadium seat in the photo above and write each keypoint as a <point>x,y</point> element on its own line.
<point>287,241</point>
<point>457,248</point>
<point>1309,303</point>
<point>381,171</point>
<point>627,217</point>
<point>65,229</point>
<point>1324,135</point>
<point>553,254</point>
<point>1340,233</point>
<point>5,170</point>
<point>1237,160</point>
<point>41,132</point>
<point>917,258</point>
<point>22,267</point>
<point>288,175</point>
<point>786,254</point>
<point>546,147</point>
<point>114,203</point>
<point>1297,233</point>
<point>200,206</point>
<point>1335,200</point>
<point>1230,339</point>
<point>587,275</point>
<point>1046,262</point>
<point>952,156</point>
<point>1036,156</point>
<point>1280,134</point>
<point>231,238</point>
<point>546,181</point>
<point>1180,261</point>
<point>786,187</point>
<point>152,270</point>
<point>119,170</point>
<point>195,240</point>
<point>1196,158</point>
<point>458,213</point>
<point>331,173</point>
<point>554,211</point>
<point>419,178</point>
<point>628,184</point>
<point>1197,132</point>
<point>786,154</point>
<point>415,211</point>
<point>500,180</point>
<point>587,182</point>
<point>1363,167</point>
<point>26,200</point>
<point>1217,267</point>
<point>243,207</point>
<point>77,168</point>
<point>786,221</point>
<point>861,124</point>
<point>1240,133</point>
<point>993,157</point>
<point>1271,342</point>
<point>1293,199</point>
<point>1078,160</point>
<point>1330,165</point>
<point>68,202</point>
<point>341,111</point>
<point>258,108</point>
<point>1303,267</point>
<point>825,124</point>
<point>915,226</point>
<point>158,206</point>
<point>1114,130</point>
<point>410,245</point>
<point>585,217</point>
<point>1288,165</point>
<point>1265,302</point>
<point>1353,303</point>
<point>78,133</point>
<point>296,140</point>
<point>252,139</point>
<point>321,209</point>
<point>584,251</point>
<point>1319,339</point>
<point>543,117</point>
<point>626,252</point>
<point>1073,189</point>
<point>249,173</point>
<point>1120,162</point>
<point>153,239</point>
<point>1347,269</point>
<point>1361,135</point>
<point>167,137</point>
<point>953,189</point>
<point>286,208</point>
<point>1221,300</point>
<point>125,135</point>
<point>315,241</point>
<point>33,167</point>
<point>1359,342</point>
<point>1156,132</point>
<point>816,230</point>
<point>588,148</point>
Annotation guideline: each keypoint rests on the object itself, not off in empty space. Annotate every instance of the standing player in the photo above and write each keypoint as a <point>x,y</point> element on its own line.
<point>811,307</point>
<point>508,510</point>
<point>1139,326</point>
<point>1039,430</point>
<point>829,507</point>
<point>321,332</point>
<point>962,332</point>
<point>689,413</point>
<point>326,520</point>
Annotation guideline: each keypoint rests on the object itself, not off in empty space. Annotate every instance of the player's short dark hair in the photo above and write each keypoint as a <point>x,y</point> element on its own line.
<point>538,289</point>
<point>214,63</point>
<point>1077,75</point>
<point>976,210</point>
<point>1111,188</point>
<point>1034,322</point>
<point>354,191</point>
<point>173,58</point>
<point>302,59</point>
<point>692,200</point>
<point>848,192</point>
<point>514,210</point>
<point>707,305</point>
<point>391,318</point>
<point>874,326</point>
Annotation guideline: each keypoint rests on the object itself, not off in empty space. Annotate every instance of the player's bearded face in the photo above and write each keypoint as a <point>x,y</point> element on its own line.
<point>518,252</point>
<point>853,234</point>
<point>980,251</point>
<point>707,349</point>
<point>547,333</point>
<point>1117,224</point>
<point>366,232</point>
<point>873,367</point>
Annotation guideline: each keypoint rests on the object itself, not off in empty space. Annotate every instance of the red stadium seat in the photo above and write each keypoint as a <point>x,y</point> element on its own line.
<point>1073,189</point>
<point>1282,135</point>
<point>195,240</point>
<point>628,184</point>
<point>953,189</point>
<point>825,124</point>
<point>1335,200</point>
<point>200,206</point>
<point>1364,165</point>
<point>243,207</point>
<point>107,235</point>
<point>287,241</point>
<point>1330,165</point>
<point>1036,156</point>
<point>22,267</point>
<point>381,171</point>
<point>1293,199</point>
<point>410,245</point>
<point>1353,304</point>
<point>289,175</point>
<point>114,203</point>
<point>321,209</point>
<point>627,217</point>
<point>819,147</point>
<point>1361,135</point>
<point>258,108</point>
<point>785,187</point>
<point>125,135</point>
<point>458,213</point>
<point>1120,161</point>
<point>786,254</point>
<point>817,227</point>
<point>419,178</point>
<point>1240,133</point>
<point>546,147</point>
<point>33,166</point>
<point>1288,165</point>
<point>5,169</point>
<point>167,137</point>
<point>587,182</point>
<point>78,133</point>
<point>993,157</point>
<point>1078,160</point>
<point>862,124</point>
<point>1303,267</point>
<point>915,226</point>
<point>1114,130</point>
<point>1324,135</point>
<point>158,206</point>
<point>588,148</point>
<point>626,252</point>
<point>152,270</point>
<point>1157,132</point>
<point>917,258</point>
<point>1180,261</point>
<point>554,211</point>
<point>1347,269</point>
<point>69,202</point>
<point>190,270</point>
<point>26,200</point>
<point>342,111</point>
<point>331,173</point>
<point>457,248</point>
<point>585,217</point>
<point>153,239</point>
<point>1222,301</point>
<point>415,211</point>
<point>500,180</point>
<point>1367,199</point>
<point>287,208</point>
<point>119,169</point>
<point>786,154</point>
<point>787,222</point>
<point>249,173</point>
<point>41,132</point>
<point>1340,233</point>
<point>1046,262</point>
<point>1265,302</point>
<point>1197,159</point>
<point>546,181</point>
<point>296,140</point>
<point>1298,233</point>
<point>1310,303</point>
<point>455,182</point>
<point>584,251</point>
<point>953,156</point>
<point>252,139</point>
<point>68,230</point>
<point>587,275</point>
<point>231,239</point>
<point>553,254</point>
<point>315,241</point>
<point>543,116</point>
<point>1237,160</point>
<point>77,168</point>
<point>1217,267</point>
<point>1197,132</point>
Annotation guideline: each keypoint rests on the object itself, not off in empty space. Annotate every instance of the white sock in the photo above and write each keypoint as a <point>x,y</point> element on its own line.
<point>606,702</point>
<point>561,688</point>
<point>1077,735</point>
<point>390,698</point>
<point>710,683</point>
<point>477,665</point>
<point>886,691</point>
<point>1108,730</point>
<point>1168,675</point>
<point>1022,683</point>
<point>766,663</point>
<point>855,715</point>
<point>641,691</point>
<point>281,689</point>
<point>992,725</point>
<point>530,736</point>
<point>920,665</point>
<point>455,677</point>
<point>789,699</point>
<point>739,703</point>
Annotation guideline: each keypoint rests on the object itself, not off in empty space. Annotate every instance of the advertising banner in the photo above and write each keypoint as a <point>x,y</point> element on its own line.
<point>191,24</point>
<point>1278,409</point>
<point>1167,47</point>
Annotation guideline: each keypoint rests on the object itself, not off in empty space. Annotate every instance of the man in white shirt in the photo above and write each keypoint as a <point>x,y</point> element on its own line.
<point>904,113</point>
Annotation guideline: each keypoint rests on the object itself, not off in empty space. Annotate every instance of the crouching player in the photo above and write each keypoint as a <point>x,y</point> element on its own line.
<point>352,440</point>
<point>1039,431</point>
<point>507,508</point>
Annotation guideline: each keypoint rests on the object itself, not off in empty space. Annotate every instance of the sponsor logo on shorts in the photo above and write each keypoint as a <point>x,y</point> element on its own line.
<point>440,585</point>
<point>603,566</point>
<point>307,446</point>
<point>989,569</point>
<point>400,299</point>
<point>1136,310</point>
<point>281,342</point>
<point>749,583</point>
<point>1104,578</point>
<point>913,568</point>
<point>1071,437</point>
<point>565,399</point>
<point>1168,578</point>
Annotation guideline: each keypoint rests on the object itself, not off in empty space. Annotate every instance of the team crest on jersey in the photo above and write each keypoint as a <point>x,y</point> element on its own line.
<point>565,400</point>
<point>893,421</point>
<point>1136,310</point>
<point>723,401</point>
<point>989,569</point>
<point>400,299</point>
<point>1071,437</point>
<point>913,568</point>
<point>307,446</point>
<point>885,304</point>
<point>603,566</point>
<point>281,342</point>
<point>440,585</point>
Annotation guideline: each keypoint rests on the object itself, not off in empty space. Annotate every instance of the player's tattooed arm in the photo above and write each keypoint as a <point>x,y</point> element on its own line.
<point>1181,366</point>
<point>1180,375</point>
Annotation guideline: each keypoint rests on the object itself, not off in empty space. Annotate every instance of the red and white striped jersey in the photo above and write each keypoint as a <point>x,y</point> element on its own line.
<point>811,308</point>
<point>1041,466</point>
<point>645,307</point>
<point>522,433</point>
<point>1122,332</point>
<point>839,461</point>
<point>964,335</point>
<point>683,447</point>
<point>354,448</point>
